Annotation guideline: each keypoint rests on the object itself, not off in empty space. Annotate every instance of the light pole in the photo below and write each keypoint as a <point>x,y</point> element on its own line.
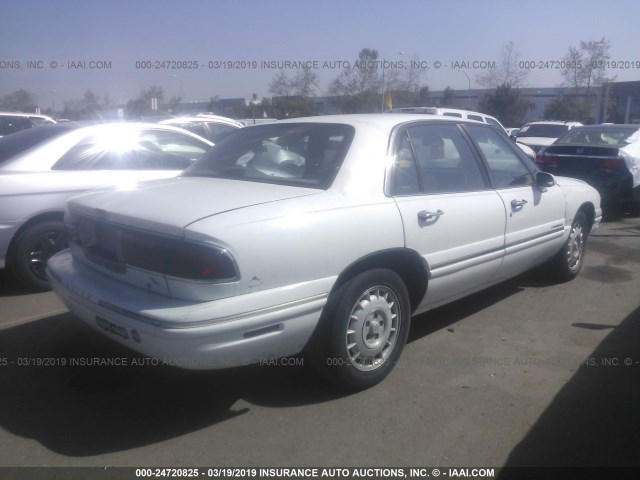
<point>468,90</point>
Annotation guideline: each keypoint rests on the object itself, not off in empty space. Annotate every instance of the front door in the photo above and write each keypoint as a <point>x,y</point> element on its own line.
<point>535,218</point>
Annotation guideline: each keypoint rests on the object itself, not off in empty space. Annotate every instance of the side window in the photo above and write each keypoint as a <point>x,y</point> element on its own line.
<point>477,118</point>
<point>445,161</point>
<point>404,176</point>
<point>505,166</point>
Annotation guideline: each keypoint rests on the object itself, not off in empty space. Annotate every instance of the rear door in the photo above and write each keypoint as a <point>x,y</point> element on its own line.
<point>535,218</point>
<point>451,215</point>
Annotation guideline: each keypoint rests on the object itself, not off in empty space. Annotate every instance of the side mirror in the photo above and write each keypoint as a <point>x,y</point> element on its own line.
<point>544,180</point>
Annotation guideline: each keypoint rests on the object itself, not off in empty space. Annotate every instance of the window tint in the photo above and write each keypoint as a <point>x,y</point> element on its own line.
<point>132,150</point>
<point>452,114</point>
<point>505,166</point>
<point>444,161</point>
<point>477,118</point>
<point>301,154</point>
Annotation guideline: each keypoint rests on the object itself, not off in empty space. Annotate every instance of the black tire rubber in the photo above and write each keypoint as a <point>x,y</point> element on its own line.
<point>33,248</point>
<point>328,350</point>
<point>569,260</point>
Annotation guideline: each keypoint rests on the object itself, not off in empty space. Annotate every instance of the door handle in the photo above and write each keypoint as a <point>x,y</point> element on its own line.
<point>424,215</point>
<point>516,204</point>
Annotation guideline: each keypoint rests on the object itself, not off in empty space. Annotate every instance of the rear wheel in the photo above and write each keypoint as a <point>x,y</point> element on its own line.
<point>34,246</point>
<point>363,331</point>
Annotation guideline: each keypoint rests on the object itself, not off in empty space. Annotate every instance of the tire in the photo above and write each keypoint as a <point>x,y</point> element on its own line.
<point>33,247</point>
<point>363,330</point>
<point>569,260</point>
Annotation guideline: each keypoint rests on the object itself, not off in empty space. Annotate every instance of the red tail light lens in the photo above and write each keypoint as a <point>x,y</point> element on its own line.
<point>201,263</point>
<point>612,163</point>
<point>548,160</point>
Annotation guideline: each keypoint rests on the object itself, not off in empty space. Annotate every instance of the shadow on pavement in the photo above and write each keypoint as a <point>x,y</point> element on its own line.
<point>90,410</point>
<point>94,409</point>
<point>594,420</point>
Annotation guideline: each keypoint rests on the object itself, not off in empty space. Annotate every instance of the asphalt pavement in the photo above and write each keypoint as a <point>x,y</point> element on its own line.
<point>526,373</point>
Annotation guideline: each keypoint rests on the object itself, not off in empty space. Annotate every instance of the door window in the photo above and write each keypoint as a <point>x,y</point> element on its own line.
<point>504,164</point>
<point>440,158</point>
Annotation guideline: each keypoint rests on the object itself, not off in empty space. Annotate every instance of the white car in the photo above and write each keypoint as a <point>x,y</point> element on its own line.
<point>12,122</point>
<point>243,258</point>
<point>538,135</point>
<point>213,127</point>
<point>41,168</point>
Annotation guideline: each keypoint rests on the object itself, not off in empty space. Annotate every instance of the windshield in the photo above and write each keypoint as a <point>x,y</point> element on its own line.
<point>609,136</point>
<point>299,154</point>
<point>542,130</point>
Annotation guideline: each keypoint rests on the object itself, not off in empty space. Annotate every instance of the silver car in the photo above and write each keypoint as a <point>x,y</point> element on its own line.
<point>41,168</point>
<point>322,235</point>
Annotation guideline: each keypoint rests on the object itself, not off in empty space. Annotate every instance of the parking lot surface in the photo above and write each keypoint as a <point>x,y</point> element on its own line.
<point>526,373</point>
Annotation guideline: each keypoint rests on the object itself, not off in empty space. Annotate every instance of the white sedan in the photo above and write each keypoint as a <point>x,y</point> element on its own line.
<point>41,168</point>
<point>321,235</point>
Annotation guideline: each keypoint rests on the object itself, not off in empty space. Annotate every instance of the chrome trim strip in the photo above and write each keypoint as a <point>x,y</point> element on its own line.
<point>239,316</point>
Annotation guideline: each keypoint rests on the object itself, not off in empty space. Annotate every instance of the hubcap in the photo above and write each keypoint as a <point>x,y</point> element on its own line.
<point>42,249</point>
<point>575,247</point>
<point>373,328</point>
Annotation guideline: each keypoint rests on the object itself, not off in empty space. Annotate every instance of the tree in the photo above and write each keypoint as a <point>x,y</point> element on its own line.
<point>448,97</point>
<point>21,100</point>
<point>141,106</point>
<point>507,71</point>
<point>506,104</point>
<point>585,70</point>
<point>405,84</point>
<point>303,84</point>
<point>358,88</point>
<point>568,110</point>
<point>89,107</point>
<point>586,66</point>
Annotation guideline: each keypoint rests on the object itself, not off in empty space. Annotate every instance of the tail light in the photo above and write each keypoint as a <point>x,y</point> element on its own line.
<point>154,253</point>
<point>612,163</point>
<point>205,263</point>
<point>548,160</point>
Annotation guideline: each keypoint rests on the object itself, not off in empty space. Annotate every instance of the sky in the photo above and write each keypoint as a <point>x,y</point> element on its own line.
<point>47,46</point>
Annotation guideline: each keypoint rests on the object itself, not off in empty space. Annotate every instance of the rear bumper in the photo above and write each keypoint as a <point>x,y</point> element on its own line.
<point>146,322</point>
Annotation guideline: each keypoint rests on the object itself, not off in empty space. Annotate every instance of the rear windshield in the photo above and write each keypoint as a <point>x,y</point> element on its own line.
<point>542,130</point>
<point>298,154</point>
<point>610,136</point>
<point>19,142</point>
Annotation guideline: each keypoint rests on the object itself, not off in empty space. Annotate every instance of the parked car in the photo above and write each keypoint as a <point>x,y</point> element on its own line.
<point>242,259</point>
<point>213,127</point>
<point>605,156</point>
<point>512,132</point>
<point>42,167</point>
<point>11,122</point>
<point>540,134</point>
<point>467,115</point>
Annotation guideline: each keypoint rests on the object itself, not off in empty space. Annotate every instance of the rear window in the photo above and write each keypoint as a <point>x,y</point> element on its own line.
<point>20,142</point>
<point>542,130</point>
<point>298,154</point>
<point>611,136</point>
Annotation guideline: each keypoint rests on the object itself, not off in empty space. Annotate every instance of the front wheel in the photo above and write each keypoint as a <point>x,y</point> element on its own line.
<point>569,260</point>
<point>363,330</point>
